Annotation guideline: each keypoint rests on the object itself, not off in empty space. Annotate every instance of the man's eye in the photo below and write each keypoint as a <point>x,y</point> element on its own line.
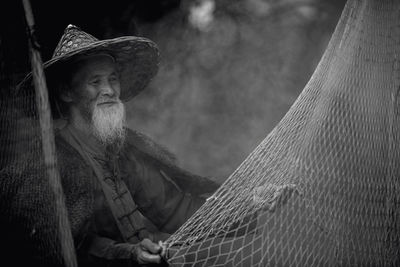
<point>113,79</point>
<point>95,82</point>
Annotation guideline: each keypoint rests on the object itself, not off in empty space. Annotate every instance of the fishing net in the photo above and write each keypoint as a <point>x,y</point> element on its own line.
<point>322,188</point>
<point>34,225</point>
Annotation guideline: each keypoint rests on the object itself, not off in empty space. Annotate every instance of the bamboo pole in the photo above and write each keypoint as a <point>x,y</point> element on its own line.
<point>48,145</point>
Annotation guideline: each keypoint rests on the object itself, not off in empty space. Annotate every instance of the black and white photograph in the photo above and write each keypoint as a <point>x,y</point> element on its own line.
<point>200,133</point>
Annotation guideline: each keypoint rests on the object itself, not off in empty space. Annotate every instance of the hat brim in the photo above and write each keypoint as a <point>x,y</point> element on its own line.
<point>137,59</point>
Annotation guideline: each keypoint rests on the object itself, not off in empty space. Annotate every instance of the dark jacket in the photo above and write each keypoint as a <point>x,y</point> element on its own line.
<point>28,215</point>
<point>165,194</point>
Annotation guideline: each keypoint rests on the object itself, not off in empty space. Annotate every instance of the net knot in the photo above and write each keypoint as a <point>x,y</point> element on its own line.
<point>270,196</point>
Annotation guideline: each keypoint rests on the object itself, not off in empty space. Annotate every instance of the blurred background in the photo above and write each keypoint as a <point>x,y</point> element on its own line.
<point>230,69</point>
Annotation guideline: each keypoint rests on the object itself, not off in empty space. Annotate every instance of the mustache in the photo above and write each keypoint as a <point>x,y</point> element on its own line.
<point>102,100</point>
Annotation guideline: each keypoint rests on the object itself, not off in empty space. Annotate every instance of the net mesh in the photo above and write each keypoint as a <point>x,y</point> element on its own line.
<point>323,187</point>
<point>33,220</point>
<point>27,201</point>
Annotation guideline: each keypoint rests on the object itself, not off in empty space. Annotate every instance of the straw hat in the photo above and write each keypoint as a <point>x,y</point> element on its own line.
<point>137,58</point>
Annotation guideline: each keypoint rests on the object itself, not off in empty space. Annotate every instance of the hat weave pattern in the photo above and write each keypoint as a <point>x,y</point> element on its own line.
<point>72,39</point>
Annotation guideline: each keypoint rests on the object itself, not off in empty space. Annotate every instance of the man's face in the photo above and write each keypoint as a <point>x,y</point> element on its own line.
<point>95,89</point>
<point>95,82</point>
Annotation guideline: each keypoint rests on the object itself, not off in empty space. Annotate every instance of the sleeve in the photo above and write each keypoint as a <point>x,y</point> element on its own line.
<point>93,248</point>
<point>160,199</point>
<point>109,249</point>
<point>104,251</point>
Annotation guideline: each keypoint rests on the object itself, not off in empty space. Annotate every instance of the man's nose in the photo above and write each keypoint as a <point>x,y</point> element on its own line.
<point>108,90</point>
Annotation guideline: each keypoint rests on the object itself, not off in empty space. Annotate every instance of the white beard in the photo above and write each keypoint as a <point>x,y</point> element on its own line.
<point>108,123</point>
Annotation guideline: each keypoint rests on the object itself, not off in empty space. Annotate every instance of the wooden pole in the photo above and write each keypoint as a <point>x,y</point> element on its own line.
<point>48,145</point>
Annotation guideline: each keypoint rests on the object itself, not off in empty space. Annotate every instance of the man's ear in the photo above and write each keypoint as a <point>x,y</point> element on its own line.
<point>66,94</point>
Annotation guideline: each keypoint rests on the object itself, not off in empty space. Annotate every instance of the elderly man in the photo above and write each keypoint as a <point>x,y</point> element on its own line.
<point>111,175</point>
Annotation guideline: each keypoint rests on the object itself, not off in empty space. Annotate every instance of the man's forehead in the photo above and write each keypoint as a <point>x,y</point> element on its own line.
<point>95,65</point>
<point>95,56</point>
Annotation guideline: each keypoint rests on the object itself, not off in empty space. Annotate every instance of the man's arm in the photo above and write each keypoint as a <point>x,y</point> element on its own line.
<point>165,194</point>
<point>162,201</point>
<point>144,252</point>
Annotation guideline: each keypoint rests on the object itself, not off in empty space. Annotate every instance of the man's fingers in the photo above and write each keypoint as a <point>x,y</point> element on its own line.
<point>151,247</point>
<point>149,252</point>
<point>163,249</point>
<point>145,257</point>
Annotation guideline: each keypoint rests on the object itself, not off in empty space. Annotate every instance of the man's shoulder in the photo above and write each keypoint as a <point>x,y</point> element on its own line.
<point>148,146</point>
<point>164,160</point>
<point>67,156</point>
<point>75,173</point>
<point>62,146</point>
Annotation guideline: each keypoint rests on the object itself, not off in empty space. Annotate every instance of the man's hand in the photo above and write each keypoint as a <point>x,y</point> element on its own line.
<point>148,252</point>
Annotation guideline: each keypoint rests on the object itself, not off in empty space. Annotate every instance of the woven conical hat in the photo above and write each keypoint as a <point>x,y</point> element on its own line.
<point>137,57</point>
